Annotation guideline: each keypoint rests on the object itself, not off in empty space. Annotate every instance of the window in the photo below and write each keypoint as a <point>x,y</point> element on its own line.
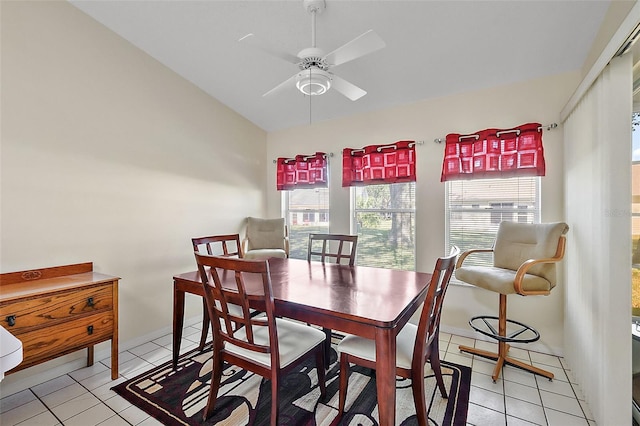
<point>384,219</point>
<point>474,208</point>
<point>307,211</point>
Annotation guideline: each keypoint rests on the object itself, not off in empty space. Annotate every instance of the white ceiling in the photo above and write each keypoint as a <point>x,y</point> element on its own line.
<point>433,48</point>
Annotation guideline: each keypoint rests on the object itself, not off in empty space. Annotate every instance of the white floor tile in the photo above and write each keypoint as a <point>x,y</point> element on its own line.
<point>134,365</point>
<point>513,374</point>
<point>133,415</point>
<point>557,418</point>
<point>558,372</point>
<point>150,421</point>
<point>53,385</point>
<point>63,395</point>
<point>117,403</point>
<point>481,416</point>
<point>75,406</point>
<point>104,391</point>
<point>459,340</point>
<point>460,359</point>
<point>486,382</point>
<point>523,392</point>
<point>545,359</point>
<point>525,410</point>
<point>92,416</point>
<point>487,399</point>
<point>165,340</point>
<point>561,403</point>
<point>144,349</point>
<point>17,399</point>
<point>158,355</point>
<point>86,372</point>
<point>555,386</point>
<point>114,421</point>
<point>23,412</point>
<point>514,421</point>
<point>483,365</point>
<point>43,419</point>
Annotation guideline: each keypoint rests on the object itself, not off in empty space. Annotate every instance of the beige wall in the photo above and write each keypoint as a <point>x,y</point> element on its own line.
<point>502,107</point>
<point>108,156</point>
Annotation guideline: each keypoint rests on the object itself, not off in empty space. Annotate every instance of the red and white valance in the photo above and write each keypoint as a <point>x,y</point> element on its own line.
<point>494,153</point>
<point>376,164</point>
<point>303,171</point>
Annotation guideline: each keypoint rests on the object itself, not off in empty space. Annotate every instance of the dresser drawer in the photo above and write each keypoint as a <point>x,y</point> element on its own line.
<point>65,337</point>
<point>48,309</point>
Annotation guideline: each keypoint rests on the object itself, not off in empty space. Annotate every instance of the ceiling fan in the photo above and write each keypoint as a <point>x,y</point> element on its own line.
<point>315,77</point>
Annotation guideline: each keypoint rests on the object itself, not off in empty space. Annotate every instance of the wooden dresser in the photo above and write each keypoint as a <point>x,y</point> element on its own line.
<point>58,310</point>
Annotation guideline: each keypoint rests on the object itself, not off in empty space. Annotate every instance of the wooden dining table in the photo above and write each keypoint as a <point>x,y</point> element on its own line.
<point>370,302</point>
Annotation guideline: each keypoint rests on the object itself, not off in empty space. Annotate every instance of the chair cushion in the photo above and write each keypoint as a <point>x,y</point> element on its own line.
<point>294,340</point>
<point>519,242</point>
<point>265,233</point>
<point>366,348</point>
<point>500,280</point>
<point>265,253</point>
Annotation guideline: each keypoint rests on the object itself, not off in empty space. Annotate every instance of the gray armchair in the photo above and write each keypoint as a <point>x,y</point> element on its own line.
<point>265,238</point>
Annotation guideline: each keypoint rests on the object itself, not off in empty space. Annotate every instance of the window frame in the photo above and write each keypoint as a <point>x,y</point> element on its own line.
<point>354,214</point>
<point>515,210</point>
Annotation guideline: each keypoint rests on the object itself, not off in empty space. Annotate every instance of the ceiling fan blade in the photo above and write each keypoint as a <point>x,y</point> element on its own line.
<point>349,90</point>
<point>258,43</point>
<point>359,46</point>
<point>291,81</point>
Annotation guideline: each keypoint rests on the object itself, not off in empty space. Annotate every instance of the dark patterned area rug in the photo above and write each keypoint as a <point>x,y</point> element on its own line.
<point>178,397</point>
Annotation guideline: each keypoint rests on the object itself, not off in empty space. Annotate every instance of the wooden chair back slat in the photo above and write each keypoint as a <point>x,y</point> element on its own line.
<point>344,251</point>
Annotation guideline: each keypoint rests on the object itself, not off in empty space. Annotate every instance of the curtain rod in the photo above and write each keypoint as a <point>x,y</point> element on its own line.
<point>548,127</point>
<point>306,157</point>
<point>331,153</point>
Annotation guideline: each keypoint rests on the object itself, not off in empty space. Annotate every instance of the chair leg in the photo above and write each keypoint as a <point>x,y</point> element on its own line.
<point>327,347</point>
<point>501,357</point>
<point>344,381</point>
<point>320,366</point>
<point>434,360</point>
<point>216,376</point>
<point>274,399</point>
<point>419,398</point>
<point>205,325</point>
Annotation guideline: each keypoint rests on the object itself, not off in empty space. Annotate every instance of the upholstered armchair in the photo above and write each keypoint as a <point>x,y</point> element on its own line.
<point>265,238</point>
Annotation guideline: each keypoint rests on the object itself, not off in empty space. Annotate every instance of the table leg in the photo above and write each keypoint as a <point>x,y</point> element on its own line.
<point>178,322</point>
<point>386,375</point>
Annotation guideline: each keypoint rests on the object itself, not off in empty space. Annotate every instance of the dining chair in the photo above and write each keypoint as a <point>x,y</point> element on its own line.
<point>265,238</point>
<point>320,245</point>
<point>415,344</point>
<point>222,245</point>
<point>265,345</point>
<point>524,258</point>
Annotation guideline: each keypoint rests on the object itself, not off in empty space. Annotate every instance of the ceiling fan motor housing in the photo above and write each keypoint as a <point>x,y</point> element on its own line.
<point>313,81</point>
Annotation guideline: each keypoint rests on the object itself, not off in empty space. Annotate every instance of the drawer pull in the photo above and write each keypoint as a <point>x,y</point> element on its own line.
<point>11,320</point>
<point>90,301</point>
<point>90,330</point>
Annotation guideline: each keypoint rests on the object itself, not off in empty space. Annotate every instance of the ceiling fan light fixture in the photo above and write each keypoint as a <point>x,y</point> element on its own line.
<point>313,82</point>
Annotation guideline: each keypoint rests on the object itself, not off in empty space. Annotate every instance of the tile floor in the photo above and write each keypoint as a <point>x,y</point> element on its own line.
<point>84,398</point>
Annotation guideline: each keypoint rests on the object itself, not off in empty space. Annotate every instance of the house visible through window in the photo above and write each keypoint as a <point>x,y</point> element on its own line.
<point>307,211</point>
<point>384,218</point>
<point>474,208</point>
